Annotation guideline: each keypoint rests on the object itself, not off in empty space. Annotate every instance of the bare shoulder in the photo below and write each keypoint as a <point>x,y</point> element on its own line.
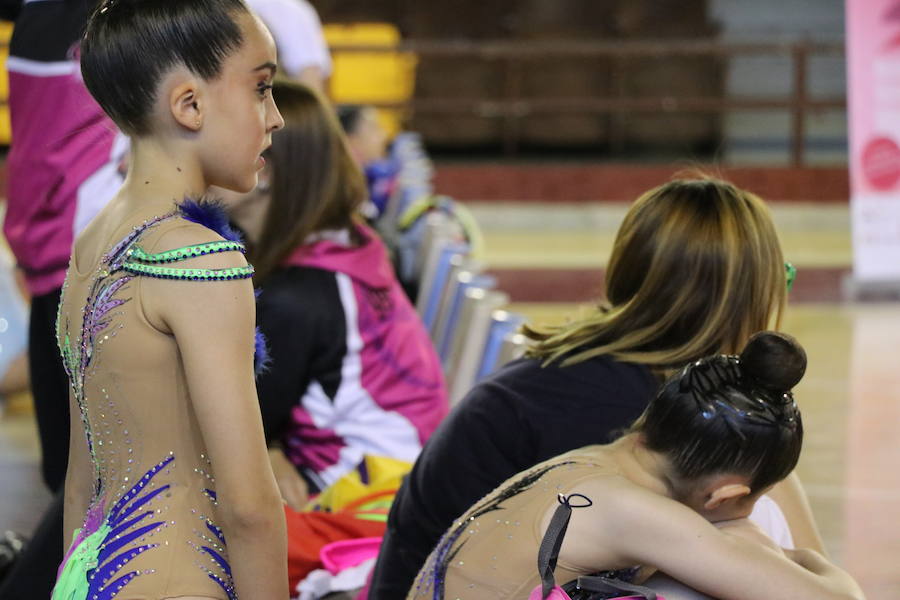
<point>612,498</point>
<point>623,504</point>
<point>186,268</point>
<point>594,539</point>
<point>646,515</point>
<point>185,244</point>
<point>624,520</point>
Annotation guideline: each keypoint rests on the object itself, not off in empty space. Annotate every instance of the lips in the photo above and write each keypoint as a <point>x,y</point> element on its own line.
<point>261,160</point>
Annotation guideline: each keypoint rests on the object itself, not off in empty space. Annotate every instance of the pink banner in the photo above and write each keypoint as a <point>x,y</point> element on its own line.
<point>873,60</point>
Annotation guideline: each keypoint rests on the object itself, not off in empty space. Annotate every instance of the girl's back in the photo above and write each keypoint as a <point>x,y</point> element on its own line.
<point>156,321</point>
<point>490,551</point>
<point>153,513</point>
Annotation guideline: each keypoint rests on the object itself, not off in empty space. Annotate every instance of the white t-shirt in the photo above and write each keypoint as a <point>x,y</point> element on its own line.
<point>297,30</point>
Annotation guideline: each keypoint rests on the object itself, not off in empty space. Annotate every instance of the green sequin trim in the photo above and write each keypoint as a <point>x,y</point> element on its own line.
<point>136,253</point>
<point>137,268</point>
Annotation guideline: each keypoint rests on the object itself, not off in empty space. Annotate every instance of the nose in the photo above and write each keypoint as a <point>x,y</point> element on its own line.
<point>275,120</point>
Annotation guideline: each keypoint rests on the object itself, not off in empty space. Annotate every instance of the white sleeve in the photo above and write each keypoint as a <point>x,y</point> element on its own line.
<point>767,516</point>
<point>297,30</point>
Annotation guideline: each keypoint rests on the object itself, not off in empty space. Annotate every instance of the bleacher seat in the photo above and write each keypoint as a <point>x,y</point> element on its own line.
<point>470,338</point>
<point>503,323</point>
<point>513,347</point>
<point>458,264</point>
<point>450,319</point>
<point>450,262</point>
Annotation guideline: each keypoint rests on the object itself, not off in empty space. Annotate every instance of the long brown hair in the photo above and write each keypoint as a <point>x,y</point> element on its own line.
<point>315,184</point>
<point>696,269</point>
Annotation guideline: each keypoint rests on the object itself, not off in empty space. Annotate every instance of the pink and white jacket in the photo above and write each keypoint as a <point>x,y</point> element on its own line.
<point>65,160</point>
<point>353,371</point>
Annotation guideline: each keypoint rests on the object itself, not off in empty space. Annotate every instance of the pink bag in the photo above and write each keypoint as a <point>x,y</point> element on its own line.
<point>344,554</point>
<point>557,593</point>
<point>548,553</point>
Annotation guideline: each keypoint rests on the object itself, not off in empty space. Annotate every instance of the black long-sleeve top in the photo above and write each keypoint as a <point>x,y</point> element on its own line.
<point>522,415</point>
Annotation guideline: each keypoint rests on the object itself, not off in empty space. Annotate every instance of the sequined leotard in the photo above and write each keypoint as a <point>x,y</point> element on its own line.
<point>151,529</point>
<point>491,551</point>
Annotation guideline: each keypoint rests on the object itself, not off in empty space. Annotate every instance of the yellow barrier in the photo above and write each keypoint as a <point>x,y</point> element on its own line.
<point>371,77</point>
<point>5,131</point>
<point>357,77</point>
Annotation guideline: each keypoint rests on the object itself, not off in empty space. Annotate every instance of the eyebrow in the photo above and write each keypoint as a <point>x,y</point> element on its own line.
<point>267,65</point>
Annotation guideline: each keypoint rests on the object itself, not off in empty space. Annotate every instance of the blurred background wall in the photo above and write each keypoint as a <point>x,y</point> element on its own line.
<point>553,64</point>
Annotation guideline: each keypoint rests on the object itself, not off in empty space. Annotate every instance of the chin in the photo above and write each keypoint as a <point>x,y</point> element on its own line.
<point>244,186</point>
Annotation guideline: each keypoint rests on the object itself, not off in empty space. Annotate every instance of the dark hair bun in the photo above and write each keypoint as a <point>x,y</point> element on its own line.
<point>775,360</point>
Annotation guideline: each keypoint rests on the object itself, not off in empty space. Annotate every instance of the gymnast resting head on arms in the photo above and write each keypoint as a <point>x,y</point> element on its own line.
<point>720,433</point>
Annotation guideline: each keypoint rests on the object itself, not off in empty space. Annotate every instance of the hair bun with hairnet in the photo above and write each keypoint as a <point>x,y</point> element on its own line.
<point>776,361</point>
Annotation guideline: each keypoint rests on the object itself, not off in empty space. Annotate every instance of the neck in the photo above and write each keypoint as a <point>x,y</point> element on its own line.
<point>249,212</point>
<point>160,174</point>
<point>641,466</point>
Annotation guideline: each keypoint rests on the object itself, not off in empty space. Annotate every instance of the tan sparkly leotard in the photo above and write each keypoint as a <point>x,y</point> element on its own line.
<point>151,529</point>
<point>491,551</point>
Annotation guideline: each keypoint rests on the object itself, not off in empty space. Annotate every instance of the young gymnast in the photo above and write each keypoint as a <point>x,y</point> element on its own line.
<point>352,369</point>
<point>367,141</point>
<point>366,138</point>
<point>718,435</point>
<point>169,492</point>
<point>695,270</point>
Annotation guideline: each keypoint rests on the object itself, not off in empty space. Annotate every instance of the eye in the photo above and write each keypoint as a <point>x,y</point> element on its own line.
<point>263,89</point>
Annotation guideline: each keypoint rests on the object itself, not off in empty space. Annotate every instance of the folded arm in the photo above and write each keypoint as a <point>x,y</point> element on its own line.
<point>634,526</point>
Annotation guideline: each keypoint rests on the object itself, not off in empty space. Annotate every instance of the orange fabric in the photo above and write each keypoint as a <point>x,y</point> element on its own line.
<point>382,498</point>
<point>352,507</point>
<point>308,532</point>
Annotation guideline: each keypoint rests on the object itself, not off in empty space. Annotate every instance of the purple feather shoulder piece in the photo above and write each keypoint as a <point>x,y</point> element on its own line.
<point>211,214</point>
<point>261,357</point>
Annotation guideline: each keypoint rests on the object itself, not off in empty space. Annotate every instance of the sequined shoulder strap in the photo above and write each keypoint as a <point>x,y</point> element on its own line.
<point>140,262</point>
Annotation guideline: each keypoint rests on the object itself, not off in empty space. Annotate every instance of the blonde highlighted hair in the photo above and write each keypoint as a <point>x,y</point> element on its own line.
<point>696,269</point>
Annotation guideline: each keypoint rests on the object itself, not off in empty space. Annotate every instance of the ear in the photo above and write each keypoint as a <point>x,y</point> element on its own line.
<point>186,104</point>
<point>725,493</point>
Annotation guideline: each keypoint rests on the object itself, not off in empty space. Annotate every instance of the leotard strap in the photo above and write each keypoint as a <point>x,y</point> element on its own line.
<point>136,253</point>
<point>140,262</point>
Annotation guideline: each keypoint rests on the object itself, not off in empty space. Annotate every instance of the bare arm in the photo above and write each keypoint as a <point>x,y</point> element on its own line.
<point>675,590</point>
<point>635,526</point>
<point>292,486</point>
<point>213,323</point>
<point>791,499</point>
<point>748,530</point>
<point>814,562</point>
